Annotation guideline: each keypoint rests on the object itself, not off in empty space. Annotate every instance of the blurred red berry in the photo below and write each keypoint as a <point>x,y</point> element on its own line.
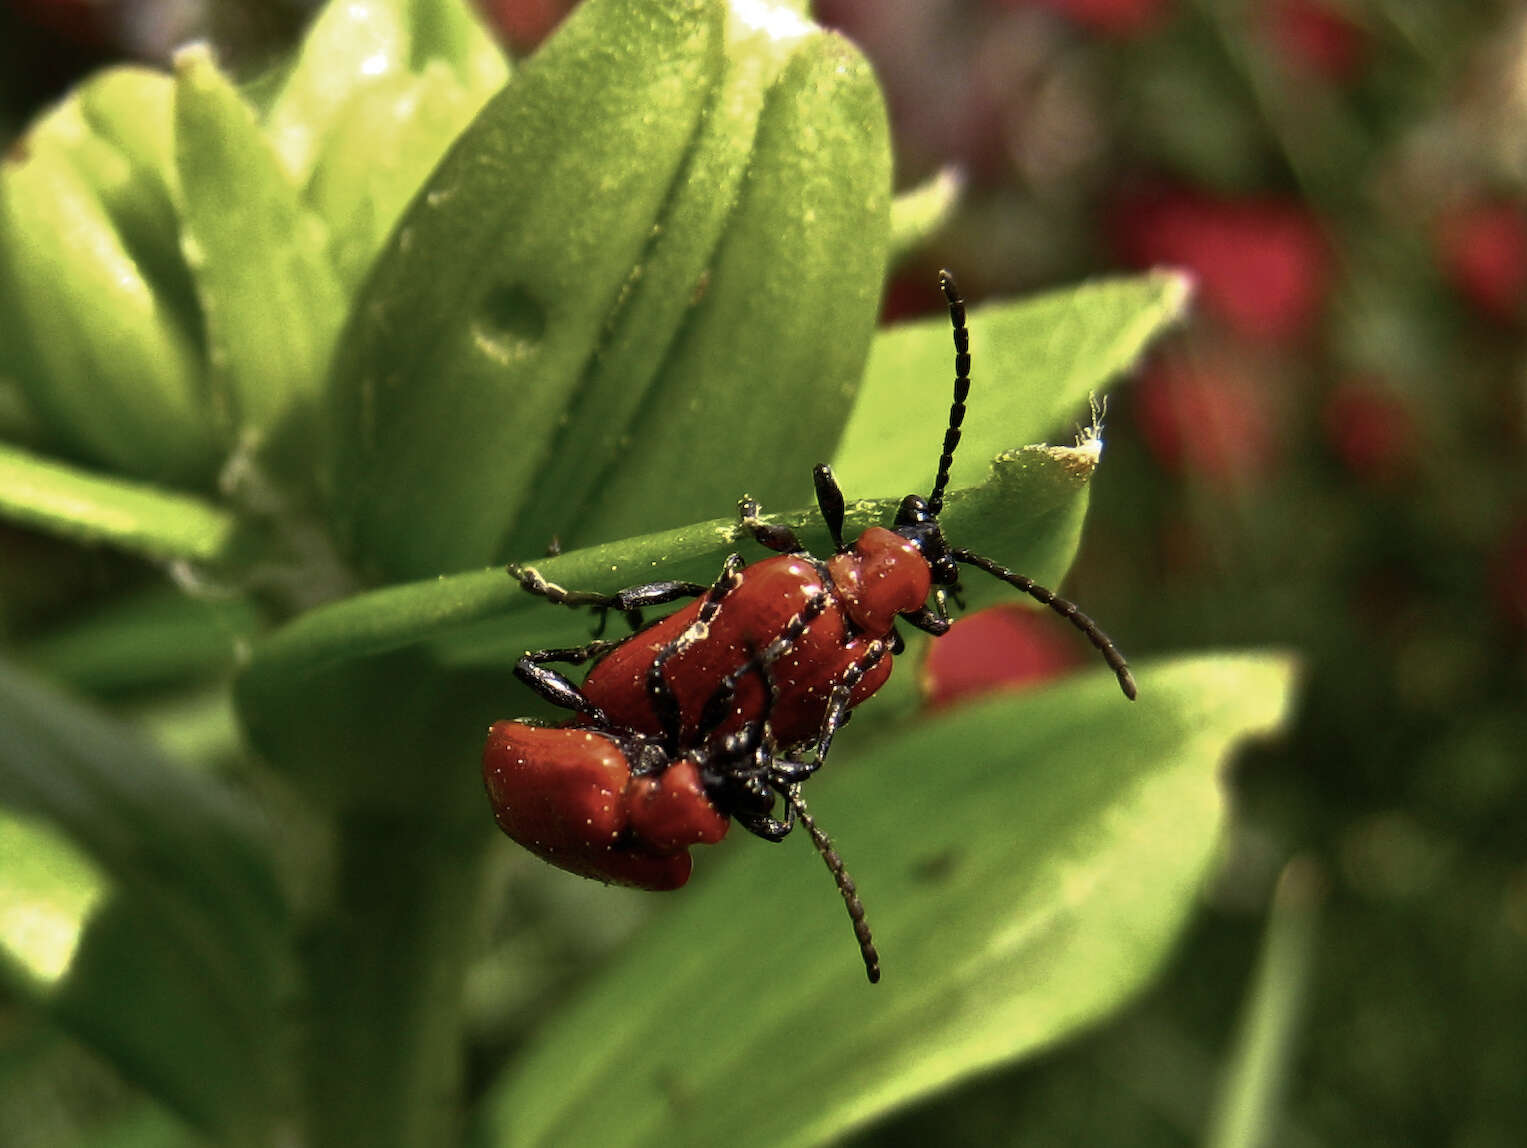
<point>1482,249</point>
<point>1120,18</point>
<point>906,297</point>
<point>1262,265</point>
<point>1371,429</point>
<point>1316,39</point>
<point>1207,419</point>
<point>1001,647</point>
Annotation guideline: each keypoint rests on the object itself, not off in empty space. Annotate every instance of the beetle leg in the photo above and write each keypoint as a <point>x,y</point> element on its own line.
<point>788,771</point>
<point>929,621</point>
<point>557,688</point>
<point>838,711</point>
<point>665,704</point>
<point>628,602</point>
<point>767,534</point>
<point>769,828</point>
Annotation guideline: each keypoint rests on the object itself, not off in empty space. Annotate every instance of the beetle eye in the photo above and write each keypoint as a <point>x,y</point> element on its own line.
<point>913,509</point>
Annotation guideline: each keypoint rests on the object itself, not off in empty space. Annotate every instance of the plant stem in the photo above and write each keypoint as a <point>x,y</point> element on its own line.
<point>1246,1115</point>
<point>386,967</point>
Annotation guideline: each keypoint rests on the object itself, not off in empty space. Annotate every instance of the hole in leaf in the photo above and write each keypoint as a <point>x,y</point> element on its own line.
<point>510,324</point>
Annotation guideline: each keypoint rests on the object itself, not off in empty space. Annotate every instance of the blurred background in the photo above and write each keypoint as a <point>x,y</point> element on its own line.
<point>1328,458</point>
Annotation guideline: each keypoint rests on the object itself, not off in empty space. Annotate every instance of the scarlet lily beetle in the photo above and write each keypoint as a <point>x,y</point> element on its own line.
<point>618,806</point>
<point>752,680</point>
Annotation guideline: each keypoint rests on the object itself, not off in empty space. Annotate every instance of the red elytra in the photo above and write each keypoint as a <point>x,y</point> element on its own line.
<point>569,796</point>
<point>865,591</point>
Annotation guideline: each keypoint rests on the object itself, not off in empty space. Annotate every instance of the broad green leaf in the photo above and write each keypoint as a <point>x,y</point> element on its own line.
<point>452,32</point>
<point>668,357</point>
<point>485,307</point>
<point>762,374</point>
<point>918,214</point>
<point>373,699</point>
<point>348,46</point>
<point>73,503</point>
<point>177,979</point>
<point>133,109</point>
<point>272,301</point>
<point>97,326</point>
<point>382,145</point>
<point>1034,364</point>
<point>1026,863</point>
<point>355,44</point>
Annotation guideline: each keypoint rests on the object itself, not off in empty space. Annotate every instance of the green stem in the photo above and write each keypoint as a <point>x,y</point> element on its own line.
<point>75,503</point>
<point>1246,1114</point>
<point>386,970</point>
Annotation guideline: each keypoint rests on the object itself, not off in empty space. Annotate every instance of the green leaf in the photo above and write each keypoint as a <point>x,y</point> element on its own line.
<point>1034,364</point>
<point>383,144</point>
<point>484,309</point>
<point>76,504</point>
<point>668,357</point>
<point>272,301</point>
<point>177,980</point>
<point>97,324</point>
<point>49,892</point>
<point>918,214</point>
<point>761,374</point>
<point>451,32</point>
<point>354,45</point>
<point>1026,863</point>
<point>133,109</point>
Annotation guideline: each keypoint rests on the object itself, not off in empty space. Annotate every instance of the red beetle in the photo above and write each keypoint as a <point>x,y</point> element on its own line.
<point>615,806</point>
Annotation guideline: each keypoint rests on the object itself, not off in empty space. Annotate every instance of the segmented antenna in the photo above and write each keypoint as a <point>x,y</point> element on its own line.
<point>961,389</point>
<point>844,881</point>
<point>1066,609</point>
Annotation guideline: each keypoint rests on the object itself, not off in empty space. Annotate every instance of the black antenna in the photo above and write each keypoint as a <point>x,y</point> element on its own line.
<point>1066,609</point>
<point>844,881</point>
<point>961,389</point>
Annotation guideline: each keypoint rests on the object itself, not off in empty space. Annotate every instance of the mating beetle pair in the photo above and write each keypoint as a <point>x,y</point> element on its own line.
<point>733,700</point>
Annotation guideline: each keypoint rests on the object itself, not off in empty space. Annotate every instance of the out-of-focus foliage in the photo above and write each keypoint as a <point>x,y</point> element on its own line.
<point>1333,456</point>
